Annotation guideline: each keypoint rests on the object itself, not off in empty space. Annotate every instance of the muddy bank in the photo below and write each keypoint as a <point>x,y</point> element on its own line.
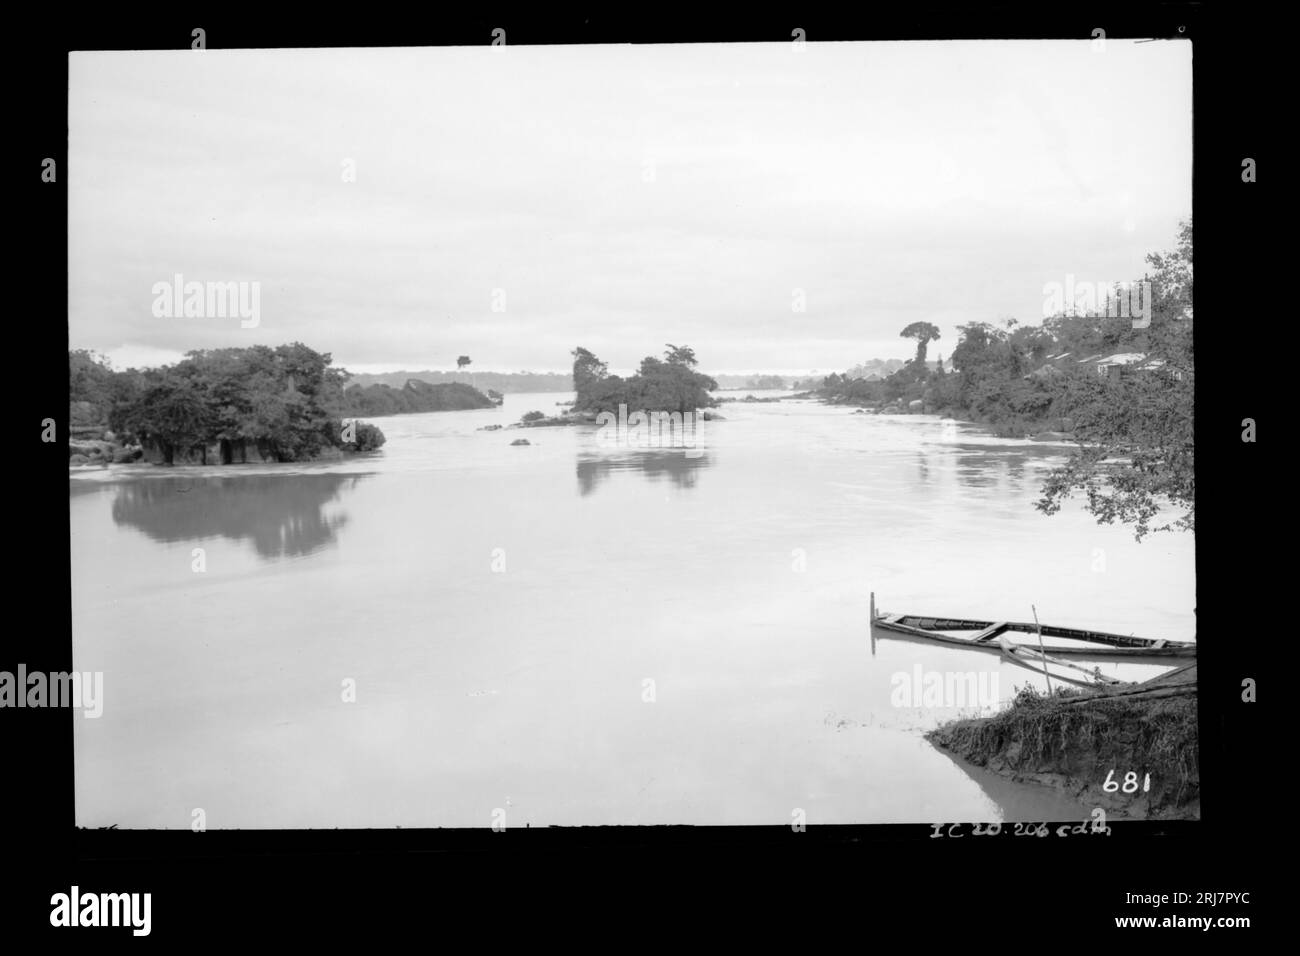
<point>1018,800</point>
<point>1138,759</point>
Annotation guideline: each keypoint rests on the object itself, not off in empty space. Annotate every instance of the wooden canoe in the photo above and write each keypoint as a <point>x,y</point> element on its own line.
<point>985,636</point>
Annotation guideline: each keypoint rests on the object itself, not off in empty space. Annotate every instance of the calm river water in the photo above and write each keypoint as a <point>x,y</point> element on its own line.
<point>575,634</point>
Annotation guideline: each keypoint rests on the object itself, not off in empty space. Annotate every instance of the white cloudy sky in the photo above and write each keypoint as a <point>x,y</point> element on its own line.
<point>945,182</point>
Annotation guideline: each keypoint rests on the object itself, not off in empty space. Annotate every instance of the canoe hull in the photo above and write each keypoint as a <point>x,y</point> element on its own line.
<point>1104,646</point>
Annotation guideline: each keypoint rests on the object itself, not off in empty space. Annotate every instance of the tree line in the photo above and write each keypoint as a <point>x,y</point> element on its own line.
<point>414,396</point>
<point>1134,430</point>
<point>286,400</point>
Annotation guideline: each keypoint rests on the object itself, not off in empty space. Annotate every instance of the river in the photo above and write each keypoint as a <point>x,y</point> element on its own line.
<point>569,633</point>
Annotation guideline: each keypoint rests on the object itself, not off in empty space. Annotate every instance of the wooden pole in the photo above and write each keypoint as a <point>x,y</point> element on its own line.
<point>1041,650</point>
<point>872,626</point>
<point>1140,694</point>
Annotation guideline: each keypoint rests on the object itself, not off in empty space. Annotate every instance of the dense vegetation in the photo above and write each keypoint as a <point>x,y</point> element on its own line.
<point>1135,429</point>
<point>503,382</point>
<point>1071,740</point>
<point>667,385</point>
<point>414,396</point>
<point>1137,433</point>
<point>287,401</point>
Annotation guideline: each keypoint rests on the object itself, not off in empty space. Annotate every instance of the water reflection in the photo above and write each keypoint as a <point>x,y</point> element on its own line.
<point>1016,470</point>
<point>672,464</point>
<point>281,517</point>
<point>988,469</point>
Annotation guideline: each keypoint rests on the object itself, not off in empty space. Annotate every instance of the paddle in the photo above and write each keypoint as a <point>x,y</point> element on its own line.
<point>1019,655</point>
<point>1041,650</point>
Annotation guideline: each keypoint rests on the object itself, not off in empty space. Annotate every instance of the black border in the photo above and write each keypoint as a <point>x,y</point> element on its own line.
<point>876,874</point>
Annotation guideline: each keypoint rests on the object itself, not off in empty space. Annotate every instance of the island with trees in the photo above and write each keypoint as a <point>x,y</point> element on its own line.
<point>670,384</point>
<point>219,406</point>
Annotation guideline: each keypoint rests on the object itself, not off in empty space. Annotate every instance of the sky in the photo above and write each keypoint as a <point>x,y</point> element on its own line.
<point>776,208</point>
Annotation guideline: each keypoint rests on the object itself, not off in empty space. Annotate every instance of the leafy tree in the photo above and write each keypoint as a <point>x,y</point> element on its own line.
<point>1137,430</point>
<point>173,412</point>
<point>1032,343</point>
<point>680,355</point>
<point>924,333</point>
<point>463,361</point>
<point>369,437</point>
<point>587,372</point>
<point>90,378</point>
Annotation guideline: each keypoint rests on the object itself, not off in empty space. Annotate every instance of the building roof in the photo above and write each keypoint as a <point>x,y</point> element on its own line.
<point>1119,358</point>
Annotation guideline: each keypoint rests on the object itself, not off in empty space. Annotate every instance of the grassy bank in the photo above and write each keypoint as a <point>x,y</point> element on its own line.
<point>1072,744</point>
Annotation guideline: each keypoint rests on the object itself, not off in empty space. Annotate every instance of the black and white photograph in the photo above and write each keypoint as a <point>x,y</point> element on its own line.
<point>780,433</point>
<point>683,452</point>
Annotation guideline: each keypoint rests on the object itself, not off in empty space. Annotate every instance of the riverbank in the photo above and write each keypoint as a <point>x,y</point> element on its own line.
<point>1138,757</point>
<point>98,447</point>
<point>101,451</point>
<point>1045,429</point>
